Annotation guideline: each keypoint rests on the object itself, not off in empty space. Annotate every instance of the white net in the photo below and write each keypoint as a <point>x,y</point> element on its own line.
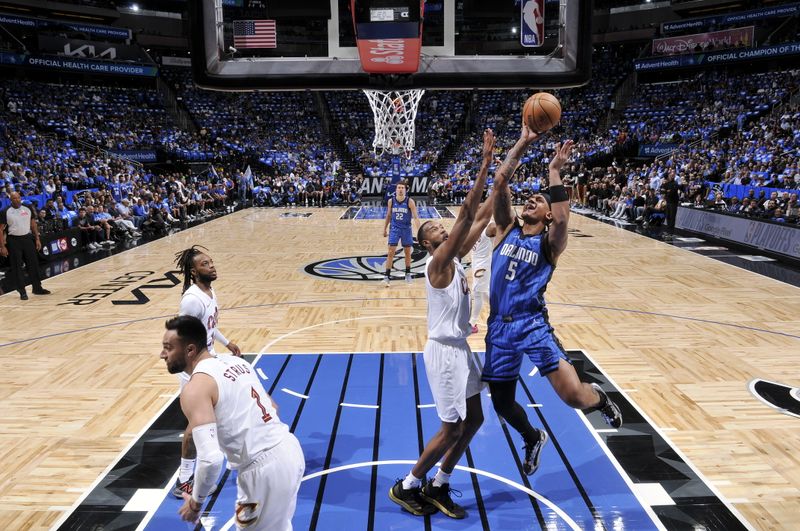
<point>394,112</point>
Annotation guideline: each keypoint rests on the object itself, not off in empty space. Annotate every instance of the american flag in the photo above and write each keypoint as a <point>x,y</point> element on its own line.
<point>254,34</point>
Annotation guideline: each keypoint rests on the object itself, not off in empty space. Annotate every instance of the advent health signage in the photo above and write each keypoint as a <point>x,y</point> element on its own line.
<point>719,57</point>
<point>781,239</point>
<point>716,39</point>
<point>102,32</point>
<point>742,17</point>
<point>656,150</point>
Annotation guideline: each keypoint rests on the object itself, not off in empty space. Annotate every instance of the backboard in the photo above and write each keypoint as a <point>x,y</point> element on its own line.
<point>311,44</point>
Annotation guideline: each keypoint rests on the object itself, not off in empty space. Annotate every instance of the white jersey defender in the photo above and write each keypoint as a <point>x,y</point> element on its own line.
<point>482,262</point>
<point>196,303</point>
<point>256,443</point>
<point>453,370</point>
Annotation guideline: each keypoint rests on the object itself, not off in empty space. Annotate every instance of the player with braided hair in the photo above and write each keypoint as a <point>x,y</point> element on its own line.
<point>199,300</point>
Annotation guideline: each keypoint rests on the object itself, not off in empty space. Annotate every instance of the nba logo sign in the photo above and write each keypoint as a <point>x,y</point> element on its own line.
<point>532,23</point>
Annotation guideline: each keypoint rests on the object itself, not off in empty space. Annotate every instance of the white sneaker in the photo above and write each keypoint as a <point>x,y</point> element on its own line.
<point>386,281</point>
<point>408,278</point>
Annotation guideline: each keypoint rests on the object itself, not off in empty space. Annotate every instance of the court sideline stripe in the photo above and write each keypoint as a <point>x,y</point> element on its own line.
<point>227,473</point>
<point>331,443</point>
<point>477,488</point>
<point>373,482</point>
<point>104,474</point>
<point>420,442</point>
<point>592,509</point>
<point>714,490</point>
<point>534,502</point>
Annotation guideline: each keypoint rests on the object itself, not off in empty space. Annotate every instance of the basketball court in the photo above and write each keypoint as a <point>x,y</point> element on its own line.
<point>91,434</point>
<point>699,354</point>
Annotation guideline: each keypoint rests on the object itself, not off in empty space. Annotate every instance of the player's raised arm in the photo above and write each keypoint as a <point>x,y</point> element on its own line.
<point>441,264</point>
<point>388,218</point>
<point>484,215</point>
<point>503,212</point>
<point>557,231</point>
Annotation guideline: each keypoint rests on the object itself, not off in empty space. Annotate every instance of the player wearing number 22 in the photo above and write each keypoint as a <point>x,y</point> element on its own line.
<point>230,413</point>
<point>524,258</point>
<point>397,227</point>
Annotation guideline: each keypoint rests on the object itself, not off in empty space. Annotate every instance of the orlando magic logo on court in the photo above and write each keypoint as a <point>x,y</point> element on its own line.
<point>367,268</point>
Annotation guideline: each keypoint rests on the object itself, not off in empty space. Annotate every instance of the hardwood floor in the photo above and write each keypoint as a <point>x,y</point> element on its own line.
<point>684,334</point>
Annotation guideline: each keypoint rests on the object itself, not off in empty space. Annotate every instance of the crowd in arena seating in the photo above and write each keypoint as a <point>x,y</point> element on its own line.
<point>696,108</point>
<point>109,199</point>
<point>282,130</point>
<point>729,141</point>
<point>754,172</point>
<point>112,117</point>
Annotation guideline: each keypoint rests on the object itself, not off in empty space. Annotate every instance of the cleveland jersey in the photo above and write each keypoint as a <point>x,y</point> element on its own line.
<point>401,214</point>
<point>247,423</point>
<point>196,303</point>
<point>448,308</point>
<point>521,270</point>
<point>482,252</point>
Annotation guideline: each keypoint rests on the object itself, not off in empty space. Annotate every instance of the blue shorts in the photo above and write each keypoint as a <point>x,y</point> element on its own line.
<point>401,234</point>
<point>507,342</point>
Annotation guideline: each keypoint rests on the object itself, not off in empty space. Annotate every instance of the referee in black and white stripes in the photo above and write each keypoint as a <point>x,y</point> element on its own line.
<point>22,242</point>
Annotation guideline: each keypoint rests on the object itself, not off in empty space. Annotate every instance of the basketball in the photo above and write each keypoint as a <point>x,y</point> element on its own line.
<point>541,112</point>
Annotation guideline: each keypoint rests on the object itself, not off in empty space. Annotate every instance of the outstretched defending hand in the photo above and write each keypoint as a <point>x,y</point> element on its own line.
<point>488,145</point>
<point>561,155</point>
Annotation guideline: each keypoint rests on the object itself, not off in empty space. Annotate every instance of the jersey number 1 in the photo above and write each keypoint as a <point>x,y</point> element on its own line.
<point>266,417</point>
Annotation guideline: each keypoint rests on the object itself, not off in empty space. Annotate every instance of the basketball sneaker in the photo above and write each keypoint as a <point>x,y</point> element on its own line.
<point>410,499</point>
<point>610,411</point>
<point>386,281</point>
<point>440,498</point>
<point>408,278</point>
<point>187,487</point>
<point>533,452</point>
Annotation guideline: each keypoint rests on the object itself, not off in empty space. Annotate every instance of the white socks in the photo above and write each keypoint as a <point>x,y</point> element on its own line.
<point>441,478</point>
<point>187,469</point>
<point>411,482</point>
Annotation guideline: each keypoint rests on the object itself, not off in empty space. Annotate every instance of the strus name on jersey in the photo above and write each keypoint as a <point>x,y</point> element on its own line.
<point>234,371</point>
<point>522,254</point>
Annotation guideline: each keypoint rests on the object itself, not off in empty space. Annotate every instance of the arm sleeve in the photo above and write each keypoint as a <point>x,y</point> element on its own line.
<point>191,305</point>
<point>219,337</point>
<point>209,460</point>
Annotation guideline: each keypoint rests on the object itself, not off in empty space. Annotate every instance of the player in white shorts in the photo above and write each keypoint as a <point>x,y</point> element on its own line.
<point>199,300</point>
<point>481,272</point>
<point>232,416</point>
<point>454,372</point>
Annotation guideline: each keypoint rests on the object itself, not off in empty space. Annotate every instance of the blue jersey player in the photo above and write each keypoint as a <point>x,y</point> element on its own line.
<point>400,210</point>
<point>525,254</point>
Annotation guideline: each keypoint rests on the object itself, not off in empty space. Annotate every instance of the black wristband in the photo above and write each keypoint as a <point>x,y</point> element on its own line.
<point>558,193</point>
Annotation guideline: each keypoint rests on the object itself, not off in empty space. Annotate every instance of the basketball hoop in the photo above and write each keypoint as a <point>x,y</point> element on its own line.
<point>394,112</point>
